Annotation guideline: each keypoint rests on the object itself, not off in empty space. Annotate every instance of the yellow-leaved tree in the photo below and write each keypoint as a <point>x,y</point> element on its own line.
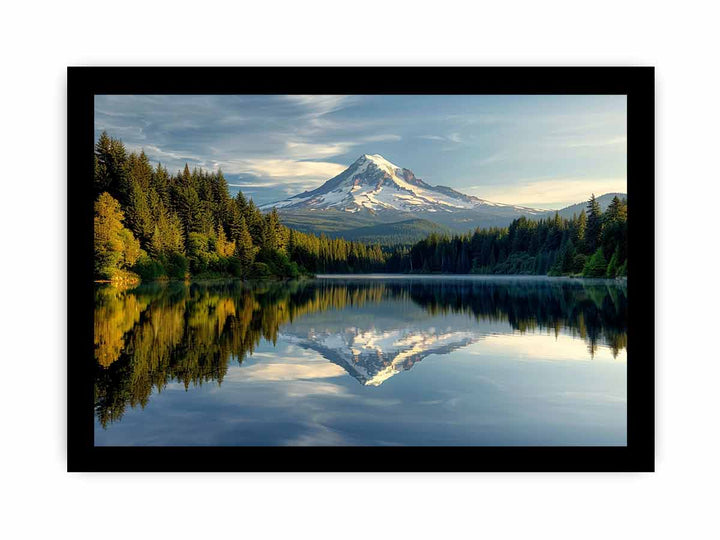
<point>115,246</point>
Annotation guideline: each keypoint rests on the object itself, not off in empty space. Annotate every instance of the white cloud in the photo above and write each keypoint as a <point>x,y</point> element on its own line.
<point>321,104</point>
<point>164,154</point>
<point>291,372</point>
<point>295,364</point>
<point>452,137</point>
<point>595,143</point>
<point>301,389</point>
<point>287,170</point>
<point>305,150</point>
<point>389,137</point>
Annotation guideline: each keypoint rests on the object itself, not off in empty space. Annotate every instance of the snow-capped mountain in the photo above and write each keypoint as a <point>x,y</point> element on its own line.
<point>372,356</point>
<point>375,185</point>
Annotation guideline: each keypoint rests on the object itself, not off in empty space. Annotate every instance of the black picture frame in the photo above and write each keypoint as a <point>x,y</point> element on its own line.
<point>635,82</point>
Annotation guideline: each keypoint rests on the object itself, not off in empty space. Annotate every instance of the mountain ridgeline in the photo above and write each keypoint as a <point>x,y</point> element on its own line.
<point>373,191</point>
<point>373,217</point>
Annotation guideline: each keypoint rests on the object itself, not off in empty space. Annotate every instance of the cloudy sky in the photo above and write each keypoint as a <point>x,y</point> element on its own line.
<point>540,151</point>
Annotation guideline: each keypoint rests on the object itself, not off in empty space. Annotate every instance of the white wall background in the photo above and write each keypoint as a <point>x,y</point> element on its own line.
<point>40,39</point>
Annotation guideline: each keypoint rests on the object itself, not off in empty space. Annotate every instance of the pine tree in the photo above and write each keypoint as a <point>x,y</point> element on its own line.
<point>581,230</point>
<point>222,247</point>
<point>140,171</point>
<point>291,245</point>
<point>596,266</point>
<point>612,266</point>
<point>160,183</point>
<point>255,223</point>
<point>273,233</point>
<point>138,215</point>
<point>614,232</point>
<point>234,222</point>
<point>244,249</point>
<point>594,225</point>
<point>156,247</point>
<point>567,255</point>
<point>111,173</point>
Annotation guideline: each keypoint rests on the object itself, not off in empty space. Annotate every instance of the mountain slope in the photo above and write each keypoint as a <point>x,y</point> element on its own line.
<point>373,190</point>
<point>373,183</point>
<point>399,232</point>
<point>331,221</point>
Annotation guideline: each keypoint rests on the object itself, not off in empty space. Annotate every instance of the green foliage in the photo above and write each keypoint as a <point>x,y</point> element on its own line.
<point>612,266</point>
<point>202,257</point>
<point>516,263</point>
<point>393,234</point>
<point>594,225</point>
<point>596,266</point>
<point>245,251</point>
<point>613,237</point>
<point>149,269</point>
<point>235,267</point>
<point>176,265</point>
<point>278,263</point>
<point>111,167</point>
<point>554,246</point>
<point>259,271</point>
<point>579,262</point>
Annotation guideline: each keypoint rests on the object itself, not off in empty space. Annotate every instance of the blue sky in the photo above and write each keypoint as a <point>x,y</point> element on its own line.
<point>540,151</point>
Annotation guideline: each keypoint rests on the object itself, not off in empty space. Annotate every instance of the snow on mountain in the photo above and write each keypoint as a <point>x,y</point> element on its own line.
<point>372,356</point>
<point>375,184</point>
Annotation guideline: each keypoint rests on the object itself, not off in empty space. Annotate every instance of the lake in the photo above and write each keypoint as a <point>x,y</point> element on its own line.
<point>363,360</point>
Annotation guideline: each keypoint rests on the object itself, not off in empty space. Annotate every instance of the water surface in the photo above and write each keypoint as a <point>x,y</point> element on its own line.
<point>373,360</point>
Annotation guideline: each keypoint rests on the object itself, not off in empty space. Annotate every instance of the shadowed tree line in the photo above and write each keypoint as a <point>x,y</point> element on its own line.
<point>591,244</point>
<point>160,333</point>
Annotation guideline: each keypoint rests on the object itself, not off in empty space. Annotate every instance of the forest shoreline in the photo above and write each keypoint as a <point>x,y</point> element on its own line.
<point>373,275</point>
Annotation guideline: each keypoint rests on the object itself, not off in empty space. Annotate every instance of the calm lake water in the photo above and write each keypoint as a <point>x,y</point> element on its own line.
<point>373,360</point>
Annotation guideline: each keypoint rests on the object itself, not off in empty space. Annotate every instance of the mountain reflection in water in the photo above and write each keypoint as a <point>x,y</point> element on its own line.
<point>157,334</point>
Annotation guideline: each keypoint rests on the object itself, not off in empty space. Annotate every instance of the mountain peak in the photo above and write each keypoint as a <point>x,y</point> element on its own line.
<point>378,161</point>
<point>374,184</point>
<point>372,157</point>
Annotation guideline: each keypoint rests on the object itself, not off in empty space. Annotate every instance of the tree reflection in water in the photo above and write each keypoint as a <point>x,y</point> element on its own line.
<point>155,334</point>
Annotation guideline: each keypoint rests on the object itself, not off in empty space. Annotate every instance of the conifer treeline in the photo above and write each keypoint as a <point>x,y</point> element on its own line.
<point>157,224</point>
<point>592,244</point>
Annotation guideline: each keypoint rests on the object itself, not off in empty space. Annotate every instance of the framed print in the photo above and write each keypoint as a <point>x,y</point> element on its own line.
<point>361,269</point>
